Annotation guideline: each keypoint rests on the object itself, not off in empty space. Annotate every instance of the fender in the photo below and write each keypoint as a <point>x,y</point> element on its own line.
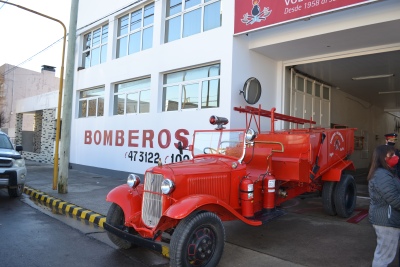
<point>335,173</point>
<point>183,207</point>
<point>130,200</point>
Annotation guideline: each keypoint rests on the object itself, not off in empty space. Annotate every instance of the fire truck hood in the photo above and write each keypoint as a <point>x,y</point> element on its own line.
<point>202,165</point>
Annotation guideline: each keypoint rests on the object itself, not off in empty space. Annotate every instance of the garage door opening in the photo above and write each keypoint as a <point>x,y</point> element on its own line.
<point>361,91</point>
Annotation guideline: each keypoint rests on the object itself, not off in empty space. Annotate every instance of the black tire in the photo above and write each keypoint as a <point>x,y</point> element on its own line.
<point>16,192</point>
<point>345,196</point>
<point>328,202</point>
<point>202,234</point>
<point>116,218</point>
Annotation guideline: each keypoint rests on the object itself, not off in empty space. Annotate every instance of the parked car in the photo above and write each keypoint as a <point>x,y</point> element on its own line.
<point>12,167</point>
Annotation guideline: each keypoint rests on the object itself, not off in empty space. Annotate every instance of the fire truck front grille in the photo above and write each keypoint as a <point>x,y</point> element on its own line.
<point>152,199</point>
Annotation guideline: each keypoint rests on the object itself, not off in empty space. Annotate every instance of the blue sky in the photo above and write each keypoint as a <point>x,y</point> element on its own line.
<point>25,34</point>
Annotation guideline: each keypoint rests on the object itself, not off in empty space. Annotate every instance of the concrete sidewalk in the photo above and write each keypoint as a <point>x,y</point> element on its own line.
<point>86,191</point>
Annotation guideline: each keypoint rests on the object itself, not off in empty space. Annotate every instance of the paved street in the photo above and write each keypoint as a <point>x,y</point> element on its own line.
<point>30,237</point>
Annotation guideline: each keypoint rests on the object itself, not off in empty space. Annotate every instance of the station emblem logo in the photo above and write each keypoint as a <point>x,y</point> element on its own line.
<point>256,15</point>
<point>337,142</point>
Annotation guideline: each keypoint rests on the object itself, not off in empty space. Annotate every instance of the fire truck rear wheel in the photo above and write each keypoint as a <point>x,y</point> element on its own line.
<point>198,240</point>
<point>328,202</point>
<point>116,218</point>
<point>345,196</point>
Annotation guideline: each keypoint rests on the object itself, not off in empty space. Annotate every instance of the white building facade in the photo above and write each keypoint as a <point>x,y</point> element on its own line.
<point>149,73</point>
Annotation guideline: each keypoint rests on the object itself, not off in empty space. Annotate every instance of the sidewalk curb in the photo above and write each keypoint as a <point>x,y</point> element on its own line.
<point>79,212</point>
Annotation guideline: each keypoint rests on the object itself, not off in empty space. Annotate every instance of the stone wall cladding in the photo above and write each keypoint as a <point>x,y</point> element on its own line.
<point>47,133</point>
<point>18,128</point>
<point>37,136</point>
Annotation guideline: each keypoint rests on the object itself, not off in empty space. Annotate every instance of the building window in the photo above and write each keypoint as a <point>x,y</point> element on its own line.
<point>132,97</point>
<point>326,92</point>
<point>135,31</point>
<point>310,99</point>
<point>187,17</point>
<point>95,47</point>
<point>91,103</point>
<point>197,88</point>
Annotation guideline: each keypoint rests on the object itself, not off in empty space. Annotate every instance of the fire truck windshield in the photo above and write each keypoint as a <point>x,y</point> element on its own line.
<point>227,142</point>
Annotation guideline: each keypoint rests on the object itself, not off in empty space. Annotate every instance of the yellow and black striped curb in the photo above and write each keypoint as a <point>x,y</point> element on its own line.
<point>66,207</point>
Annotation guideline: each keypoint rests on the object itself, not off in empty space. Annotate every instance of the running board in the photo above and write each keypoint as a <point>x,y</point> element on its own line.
<point>268,215</point>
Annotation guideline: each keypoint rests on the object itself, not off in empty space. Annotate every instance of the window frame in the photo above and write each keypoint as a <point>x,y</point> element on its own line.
<point>101,45</point>
<point>88,99</point>
<point>181,84</point>
<point>202,5</point>
<point>128,92</point>
<point>131,32</point>
<point>302,97</point>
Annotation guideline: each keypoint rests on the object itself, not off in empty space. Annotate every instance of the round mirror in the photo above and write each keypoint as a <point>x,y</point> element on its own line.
<point>252,90</point>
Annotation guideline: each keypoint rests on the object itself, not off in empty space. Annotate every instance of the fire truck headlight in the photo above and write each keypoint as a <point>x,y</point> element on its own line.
<point>133,180</point>
<point>250,134</point>
<point>167,186</point>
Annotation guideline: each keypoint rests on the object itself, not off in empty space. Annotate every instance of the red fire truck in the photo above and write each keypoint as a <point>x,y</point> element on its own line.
<point>241,174</point>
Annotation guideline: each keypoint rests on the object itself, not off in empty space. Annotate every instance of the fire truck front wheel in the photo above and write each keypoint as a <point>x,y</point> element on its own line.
<point>115,217</point>
<point>345,196</point>
<point>198,240</point>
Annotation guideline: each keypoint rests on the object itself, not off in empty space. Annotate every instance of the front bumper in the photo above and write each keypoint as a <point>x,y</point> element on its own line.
<point>8,178</point>
<point>12,177</point>
<point>138,240</point>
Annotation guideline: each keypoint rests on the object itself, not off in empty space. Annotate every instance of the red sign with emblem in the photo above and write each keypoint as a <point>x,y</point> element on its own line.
<point>256,14</point>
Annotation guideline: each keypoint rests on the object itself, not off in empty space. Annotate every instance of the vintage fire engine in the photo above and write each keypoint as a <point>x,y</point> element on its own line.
<point>233,174</point>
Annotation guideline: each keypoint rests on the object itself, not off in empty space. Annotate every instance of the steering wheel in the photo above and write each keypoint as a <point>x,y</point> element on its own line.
<point>210,149</point>
<point>214,151</point>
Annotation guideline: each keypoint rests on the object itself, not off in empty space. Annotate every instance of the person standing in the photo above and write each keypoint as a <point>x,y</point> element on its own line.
<point>391,139</point>
<point>384,209</point>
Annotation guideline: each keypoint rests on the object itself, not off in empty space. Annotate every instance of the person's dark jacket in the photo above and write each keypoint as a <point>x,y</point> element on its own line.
<point>384,191</point>
<point>397,167</point>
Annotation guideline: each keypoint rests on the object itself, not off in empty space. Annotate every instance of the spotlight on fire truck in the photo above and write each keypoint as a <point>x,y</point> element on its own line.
<point>250,134</point>
<point>214,120</point>
<point>133,180</point>
<point>167,186</point>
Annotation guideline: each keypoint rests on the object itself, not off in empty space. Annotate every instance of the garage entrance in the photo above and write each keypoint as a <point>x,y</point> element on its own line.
<point>361,91</point>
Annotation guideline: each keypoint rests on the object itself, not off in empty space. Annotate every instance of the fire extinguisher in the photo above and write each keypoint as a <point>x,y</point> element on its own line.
<point>246,188</point>
<point>269,192</point>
